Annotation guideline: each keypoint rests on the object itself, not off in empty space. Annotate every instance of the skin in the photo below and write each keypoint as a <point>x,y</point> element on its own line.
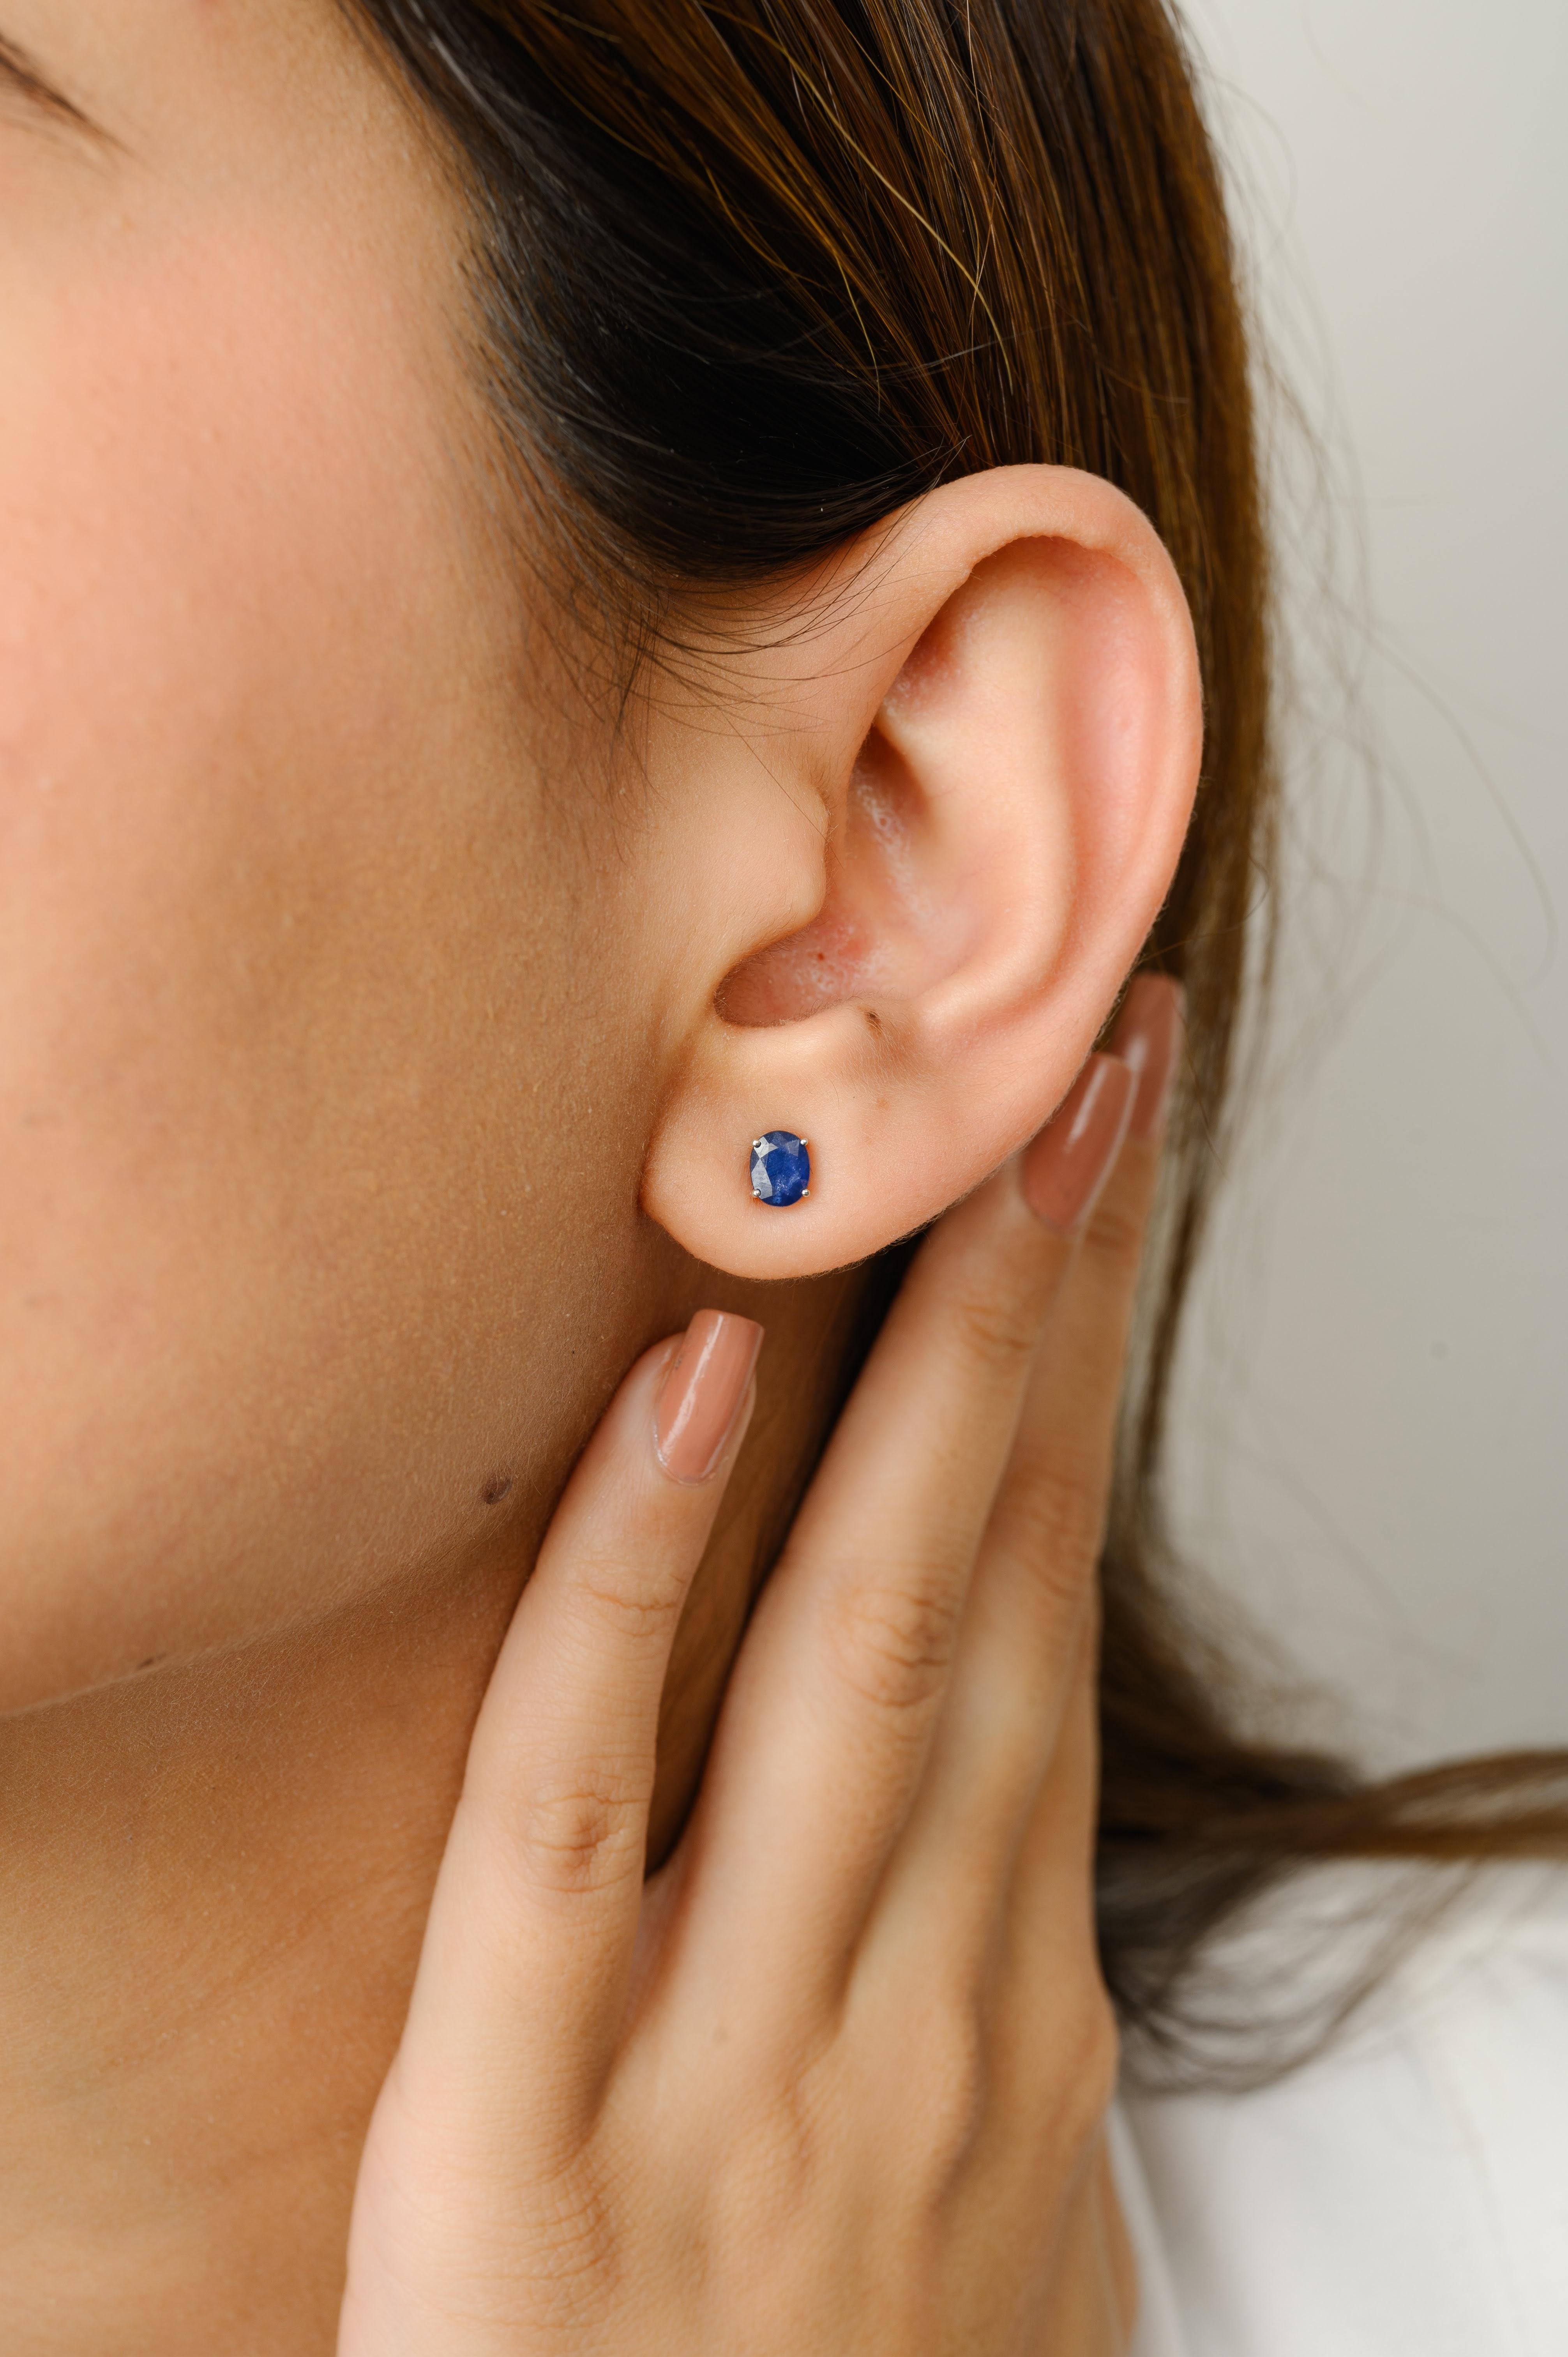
<point>805,2088</point>
<point>370,1089</point>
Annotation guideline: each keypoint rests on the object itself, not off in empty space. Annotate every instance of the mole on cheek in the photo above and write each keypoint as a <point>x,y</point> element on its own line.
<point>496,1489</point>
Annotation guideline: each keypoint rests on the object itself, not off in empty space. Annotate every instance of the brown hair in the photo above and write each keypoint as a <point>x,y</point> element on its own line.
<point>750,274</point>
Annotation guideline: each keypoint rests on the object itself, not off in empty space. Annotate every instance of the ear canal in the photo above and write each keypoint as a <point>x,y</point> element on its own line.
<point>873,935</point>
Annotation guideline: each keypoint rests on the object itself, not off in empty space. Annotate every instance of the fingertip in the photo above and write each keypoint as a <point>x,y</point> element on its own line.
<point>1148,1038</point>
<point>704,1395</point>
<point>1067,1165</point>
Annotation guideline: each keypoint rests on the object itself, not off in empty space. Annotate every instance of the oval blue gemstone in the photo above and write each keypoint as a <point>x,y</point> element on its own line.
<point>781,1168</point>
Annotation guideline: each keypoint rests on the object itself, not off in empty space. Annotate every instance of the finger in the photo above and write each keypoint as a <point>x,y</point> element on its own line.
<point>828,1716</point>
<point>1034,1578</point>
<point>1091,2296</point>
<point>1048,1991</point>
<point>521,1981</point>
<point>1048,1917</point>
<point>1036,1996</point>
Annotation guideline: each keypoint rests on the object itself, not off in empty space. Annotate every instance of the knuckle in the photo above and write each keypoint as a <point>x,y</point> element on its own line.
<point>895,1634</point>
<point>554,2276</point>
<point>1088,2059</point>
<point>953,2093</point>
<point>577,2249</point>
<point>545,2259</point>
<point>580,1840</point>
<point>632,1600</point>
<point>794,2134</point>
<point>994,1327</point>
<point>1115,1234</point>
<point>1057,1519</point>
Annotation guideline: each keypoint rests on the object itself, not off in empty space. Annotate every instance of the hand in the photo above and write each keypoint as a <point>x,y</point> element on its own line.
<point>832,2082</point>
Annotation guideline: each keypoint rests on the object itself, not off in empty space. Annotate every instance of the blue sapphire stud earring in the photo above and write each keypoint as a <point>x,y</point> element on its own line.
<point>781,1168</point>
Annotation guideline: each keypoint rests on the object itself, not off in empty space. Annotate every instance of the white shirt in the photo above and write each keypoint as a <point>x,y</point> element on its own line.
<point>1405,2194</point>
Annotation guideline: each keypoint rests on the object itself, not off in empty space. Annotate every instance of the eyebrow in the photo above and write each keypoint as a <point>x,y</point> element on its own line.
<point>23,75</point>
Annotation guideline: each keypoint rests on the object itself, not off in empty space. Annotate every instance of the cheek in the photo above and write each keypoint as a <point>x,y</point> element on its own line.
<point>209,599</point>
<point>286,969</point>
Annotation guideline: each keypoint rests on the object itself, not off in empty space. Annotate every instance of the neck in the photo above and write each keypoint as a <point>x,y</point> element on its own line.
<point>217,1875</point>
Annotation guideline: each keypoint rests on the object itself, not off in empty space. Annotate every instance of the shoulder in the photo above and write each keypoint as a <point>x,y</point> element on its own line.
<point>1406,2191</point>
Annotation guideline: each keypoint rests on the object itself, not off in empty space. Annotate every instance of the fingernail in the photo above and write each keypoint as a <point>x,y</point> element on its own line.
<point>1148,1036</point>
<point>703,1393</point>
<point>1070,1160</point>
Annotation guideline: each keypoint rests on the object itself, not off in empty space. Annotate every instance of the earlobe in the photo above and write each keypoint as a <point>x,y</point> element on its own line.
<point>1008,728</point>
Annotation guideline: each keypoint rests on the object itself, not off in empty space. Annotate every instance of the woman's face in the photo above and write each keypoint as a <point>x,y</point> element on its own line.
<point>324,1045</point>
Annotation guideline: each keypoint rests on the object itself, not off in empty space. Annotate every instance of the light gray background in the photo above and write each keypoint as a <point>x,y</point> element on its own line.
<point>1371,1433</point>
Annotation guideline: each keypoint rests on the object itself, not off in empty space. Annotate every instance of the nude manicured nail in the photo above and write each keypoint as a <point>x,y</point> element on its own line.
<point>1149,1037</point>
<point>1070,1160</point>
<point>703,1393</point>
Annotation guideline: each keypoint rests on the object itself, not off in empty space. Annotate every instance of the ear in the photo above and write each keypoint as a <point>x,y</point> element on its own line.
<point>926,835</point>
